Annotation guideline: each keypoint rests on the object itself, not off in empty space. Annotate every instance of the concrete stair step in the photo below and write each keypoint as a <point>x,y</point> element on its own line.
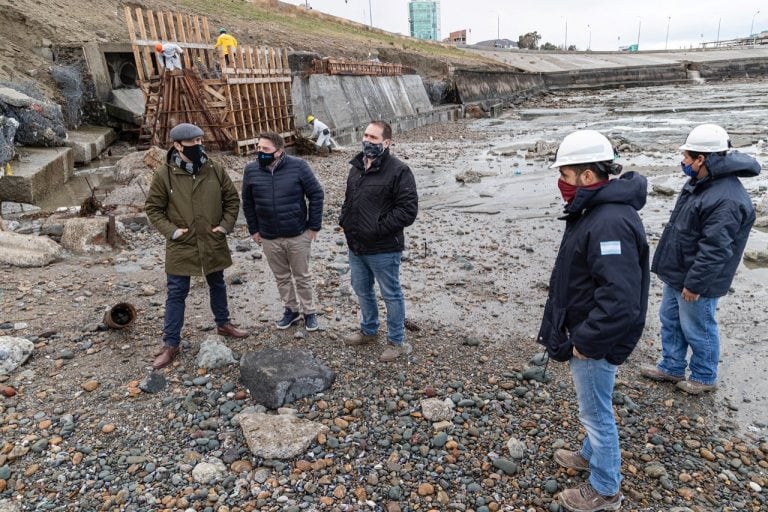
<point>39,173</point>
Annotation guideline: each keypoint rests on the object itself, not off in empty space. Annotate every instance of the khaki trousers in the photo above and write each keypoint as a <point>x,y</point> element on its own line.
<point>289,258</point>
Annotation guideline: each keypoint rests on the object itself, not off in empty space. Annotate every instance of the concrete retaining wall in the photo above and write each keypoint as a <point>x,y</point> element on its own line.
<point>347,103</point>
<point>474,86</point>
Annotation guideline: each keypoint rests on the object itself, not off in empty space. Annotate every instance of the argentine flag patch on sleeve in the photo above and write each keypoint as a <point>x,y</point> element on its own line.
<point>610,247</point>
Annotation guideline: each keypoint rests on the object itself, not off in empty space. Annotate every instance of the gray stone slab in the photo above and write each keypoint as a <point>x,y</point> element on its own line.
<point>39,173</point>
<point>281,436</point>
<point>89,141</point>
<point>127,104</point>
<point>276,377</point>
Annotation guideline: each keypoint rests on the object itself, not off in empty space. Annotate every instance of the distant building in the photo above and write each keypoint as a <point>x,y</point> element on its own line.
<point>424,19</point>
<point>457,37</point>
<point>497,43</point>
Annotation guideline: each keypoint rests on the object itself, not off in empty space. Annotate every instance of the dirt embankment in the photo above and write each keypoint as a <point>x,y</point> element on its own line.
<point>32,29</point>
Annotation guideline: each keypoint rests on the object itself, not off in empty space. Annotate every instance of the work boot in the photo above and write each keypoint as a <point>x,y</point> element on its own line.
<point>585,498</point>
<point>230,330</point>
<point>290,317</point>
<point>695,388</point>
<point>393,352</point>
<point>165,357</point>
<point>653,373</point>
<point>571,460</point>
<point>358,338</point>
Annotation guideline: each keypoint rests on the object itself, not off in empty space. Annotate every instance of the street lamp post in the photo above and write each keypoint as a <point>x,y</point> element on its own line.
<point>639,23</point>
<point>589,43</point>
<point>717,41</point>
<point>666,41</point>
<point>370,15</point>
<point>565,44</point>
<point>752,27</point>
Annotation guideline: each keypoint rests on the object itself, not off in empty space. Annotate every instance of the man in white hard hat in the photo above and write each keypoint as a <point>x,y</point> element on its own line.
<point>598,296</point>
<point>320,132</point>
<point>698,255</point>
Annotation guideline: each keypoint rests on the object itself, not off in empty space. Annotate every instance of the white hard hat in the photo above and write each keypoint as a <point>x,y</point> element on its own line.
<point>707,138</point>
<point>583,147</point>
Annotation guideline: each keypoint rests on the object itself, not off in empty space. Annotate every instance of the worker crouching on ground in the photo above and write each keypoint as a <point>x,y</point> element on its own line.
<point>194,204</point>
<point>320,133</point>
<point>598,296</point>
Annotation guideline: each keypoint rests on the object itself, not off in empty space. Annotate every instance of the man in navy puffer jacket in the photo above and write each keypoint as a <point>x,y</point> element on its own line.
<point>276,188</point>
<point>595,312</point>
<point>698,255</point>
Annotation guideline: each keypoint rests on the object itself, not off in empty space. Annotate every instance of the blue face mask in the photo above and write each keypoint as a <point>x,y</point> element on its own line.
<point>265,159</point>
<point>688,170</point>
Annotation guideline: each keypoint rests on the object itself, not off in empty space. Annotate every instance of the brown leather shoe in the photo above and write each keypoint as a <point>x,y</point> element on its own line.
<point>230,330</point>
<point>165,357</point>
<point>571,460</point>
<point>585,499</point>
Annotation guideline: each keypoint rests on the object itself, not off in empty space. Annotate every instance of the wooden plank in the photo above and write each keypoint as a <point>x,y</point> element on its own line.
<point>273,94</point>
<point>183,38</point>
<point>287,94</point>
<point>213,92</point>
<point>254,93</point>
<point>247,63</point>
<point>151,43</point>
<point>146,53</point>
<point>171,27</point>
<point>285,110</point>
<point>140,74</point>
<point>162,24</point>
<point>261,94</point>
<point>236,56</point>
<point>268,80</point>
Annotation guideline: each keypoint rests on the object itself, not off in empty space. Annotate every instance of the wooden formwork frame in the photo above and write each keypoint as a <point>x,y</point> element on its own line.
<point>232,100</point>
<point>330,66</point>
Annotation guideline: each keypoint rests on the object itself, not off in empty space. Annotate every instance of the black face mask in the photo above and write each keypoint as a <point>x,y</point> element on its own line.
<point>265,159</point>
<point>373,151</point>
<point>194,154</point>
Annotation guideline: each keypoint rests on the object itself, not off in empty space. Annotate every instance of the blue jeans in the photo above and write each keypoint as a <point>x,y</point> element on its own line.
<point>593,379</point>
<point>385,269</point>
<point>175,302</point>
<point>689,324</point>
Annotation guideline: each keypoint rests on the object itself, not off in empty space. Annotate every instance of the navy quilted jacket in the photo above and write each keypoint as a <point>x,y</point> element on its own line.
<point>275,201</point>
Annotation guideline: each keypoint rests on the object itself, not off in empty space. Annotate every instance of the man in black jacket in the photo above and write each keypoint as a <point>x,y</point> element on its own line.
<point>276,188</point>
<point>698,255</point>
<point>598,295</point>
<point>380,201</point>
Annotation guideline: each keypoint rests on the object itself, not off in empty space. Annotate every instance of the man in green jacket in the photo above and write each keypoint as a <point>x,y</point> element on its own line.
<point>194,204</point>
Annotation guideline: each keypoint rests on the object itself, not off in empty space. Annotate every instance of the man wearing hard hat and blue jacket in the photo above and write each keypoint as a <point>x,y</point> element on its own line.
<point>598,296</point>
<point>698,255</point>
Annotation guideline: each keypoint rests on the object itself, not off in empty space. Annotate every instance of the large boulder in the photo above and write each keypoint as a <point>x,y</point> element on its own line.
<point>41,123</point>
<point>87,235</point>
<point>276,377</point>
<point>13,353</point>
<point>281,436</point>
<point>27,250</point>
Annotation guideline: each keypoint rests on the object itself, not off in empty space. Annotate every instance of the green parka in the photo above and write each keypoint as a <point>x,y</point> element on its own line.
<point>199,203</point>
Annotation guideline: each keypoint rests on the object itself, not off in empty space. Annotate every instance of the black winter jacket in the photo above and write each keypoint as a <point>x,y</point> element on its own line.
<point>598,292</point>
<point>703,241</point>
<point>379,203</point>
<point>274,202</point>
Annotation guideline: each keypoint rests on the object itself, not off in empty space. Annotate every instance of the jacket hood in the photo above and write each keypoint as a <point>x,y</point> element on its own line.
<point>630,188</point>
<point>732,163</point>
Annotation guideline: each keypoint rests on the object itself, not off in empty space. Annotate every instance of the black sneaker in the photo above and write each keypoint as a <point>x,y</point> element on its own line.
<point>310,322</point>
<point>289,318</point>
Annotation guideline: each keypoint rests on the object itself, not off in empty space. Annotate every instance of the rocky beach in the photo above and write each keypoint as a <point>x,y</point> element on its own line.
<point>468,422</point>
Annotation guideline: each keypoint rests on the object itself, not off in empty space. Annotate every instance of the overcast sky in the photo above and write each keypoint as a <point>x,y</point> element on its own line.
<point>613,23</point>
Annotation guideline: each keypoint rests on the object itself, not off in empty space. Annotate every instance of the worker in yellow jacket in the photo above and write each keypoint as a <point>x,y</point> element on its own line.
<point>226,41</point>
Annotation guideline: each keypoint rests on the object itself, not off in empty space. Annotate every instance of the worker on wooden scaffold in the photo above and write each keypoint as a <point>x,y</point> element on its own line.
<point>169,55</point>
<point>227,43</point>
